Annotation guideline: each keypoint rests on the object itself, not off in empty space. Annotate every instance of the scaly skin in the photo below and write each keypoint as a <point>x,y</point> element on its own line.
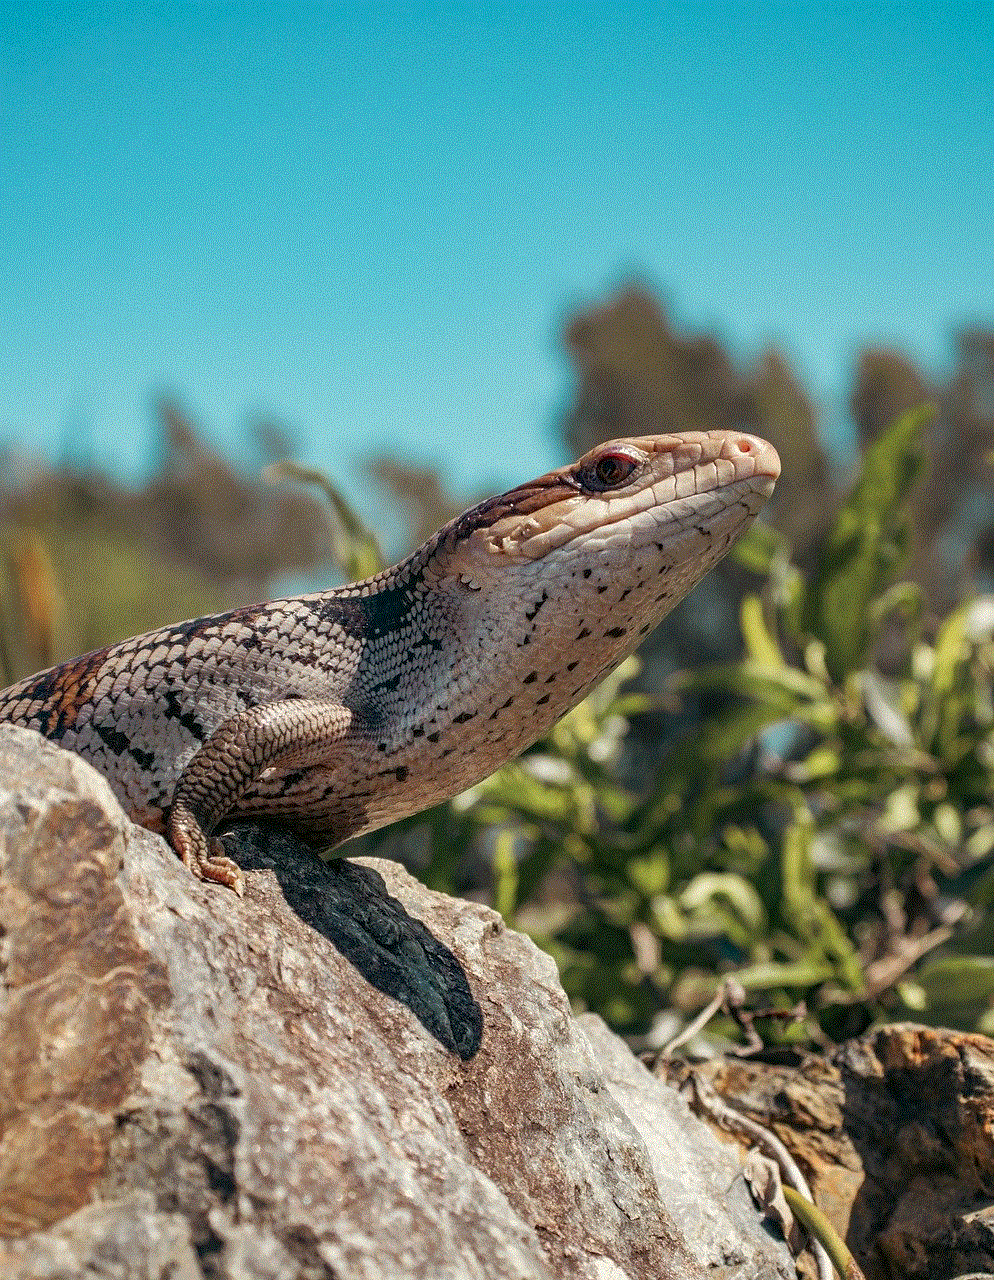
<point>338,712</point>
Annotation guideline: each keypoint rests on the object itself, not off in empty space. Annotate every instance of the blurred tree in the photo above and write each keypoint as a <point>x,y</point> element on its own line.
<point>953,516</point>
<point>426,502</point>
<point>782,413</point>
<point>202,513</point>
<point>274,440</point>
<point>197,538</point>
<point>887,385</point>
<point>638,377</point>
<point>31,605</point>
<point>967,452</point>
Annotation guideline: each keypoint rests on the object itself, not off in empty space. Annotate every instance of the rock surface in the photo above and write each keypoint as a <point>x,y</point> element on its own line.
<point>340,1075</point>
<point>895,1134</point>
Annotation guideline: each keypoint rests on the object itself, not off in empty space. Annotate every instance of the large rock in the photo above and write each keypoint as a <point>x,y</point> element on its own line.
<point>339,1075</point>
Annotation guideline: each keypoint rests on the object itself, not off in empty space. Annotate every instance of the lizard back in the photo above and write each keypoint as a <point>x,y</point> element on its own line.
<point>448,664</point>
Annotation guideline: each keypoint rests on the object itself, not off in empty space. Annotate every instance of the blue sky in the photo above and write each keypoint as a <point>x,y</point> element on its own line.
<point>370,221</point>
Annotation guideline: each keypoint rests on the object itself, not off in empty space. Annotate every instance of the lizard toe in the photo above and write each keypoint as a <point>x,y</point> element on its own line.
<point>217,867</point>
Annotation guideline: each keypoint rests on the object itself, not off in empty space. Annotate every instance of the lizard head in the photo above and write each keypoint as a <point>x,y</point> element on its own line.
<point>685,497</point>
<point>537,593</point>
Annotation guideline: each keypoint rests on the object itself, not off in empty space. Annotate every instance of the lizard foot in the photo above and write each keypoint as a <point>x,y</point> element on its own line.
<point>217,867</point>
<point>204,856</point>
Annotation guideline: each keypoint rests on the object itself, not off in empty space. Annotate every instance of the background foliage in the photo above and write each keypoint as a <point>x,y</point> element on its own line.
<point>809,811</point>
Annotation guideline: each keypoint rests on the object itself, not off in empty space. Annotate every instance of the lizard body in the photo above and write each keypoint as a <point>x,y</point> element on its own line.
<point>338,712</point>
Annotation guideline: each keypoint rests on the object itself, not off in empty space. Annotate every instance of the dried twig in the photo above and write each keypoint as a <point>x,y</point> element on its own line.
<point>727,1118</point>
<point>692,1028</point>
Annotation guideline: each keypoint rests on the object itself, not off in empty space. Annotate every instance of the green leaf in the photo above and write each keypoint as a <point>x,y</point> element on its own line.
<point>865,546</point>
<point>777,694</point>
<point>958,980</point>
<point>904,598</point>
<point>944,710</point>
<point>806,912</point>
<point>769,975</point>
<point>781,686</point>
<point>706,891</point>
<point>353,545</point>
<point>882,700</point>
<point>649,875</point>
<point>950,650</point>
<point>760,644</point>
<point>719,740</point>
<point>822,762</point>
<point>505,875</point>
<point>758,547</point>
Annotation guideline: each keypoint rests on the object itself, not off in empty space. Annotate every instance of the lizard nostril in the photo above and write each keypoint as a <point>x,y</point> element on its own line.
<point>745,446</point>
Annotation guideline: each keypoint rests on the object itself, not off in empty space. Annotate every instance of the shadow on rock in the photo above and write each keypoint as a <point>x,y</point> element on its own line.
<point>393,951</point>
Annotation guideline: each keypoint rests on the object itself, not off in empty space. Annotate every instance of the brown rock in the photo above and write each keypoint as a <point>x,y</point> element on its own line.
<point>79,997</point>
<point>895,1134</point>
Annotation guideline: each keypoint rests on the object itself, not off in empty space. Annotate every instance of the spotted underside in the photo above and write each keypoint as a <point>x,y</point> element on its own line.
<point>338,712</point>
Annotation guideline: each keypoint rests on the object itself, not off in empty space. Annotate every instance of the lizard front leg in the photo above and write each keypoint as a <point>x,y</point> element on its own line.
<point>285,734</point>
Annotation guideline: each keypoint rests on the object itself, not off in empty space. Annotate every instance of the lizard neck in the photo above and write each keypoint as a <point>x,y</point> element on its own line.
<point>462,671</point>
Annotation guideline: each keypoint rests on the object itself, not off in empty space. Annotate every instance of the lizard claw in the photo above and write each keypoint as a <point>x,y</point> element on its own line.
<point>204,856</point>
<point>217,867</point>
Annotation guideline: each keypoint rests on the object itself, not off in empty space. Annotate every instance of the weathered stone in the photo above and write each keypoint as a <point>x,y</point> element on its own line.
<point>342,1074</point>
<point>895,1134</point>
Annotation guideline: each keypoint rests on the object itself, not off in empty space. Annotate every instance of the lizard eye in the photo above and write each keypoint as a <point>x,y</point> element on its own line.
<point>608,472</point>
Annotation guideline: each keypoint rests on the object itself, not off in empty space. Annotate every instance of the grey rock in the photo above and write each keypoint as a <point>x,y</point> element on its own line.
<point>340,1075</point>
<point>699,1179</point>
